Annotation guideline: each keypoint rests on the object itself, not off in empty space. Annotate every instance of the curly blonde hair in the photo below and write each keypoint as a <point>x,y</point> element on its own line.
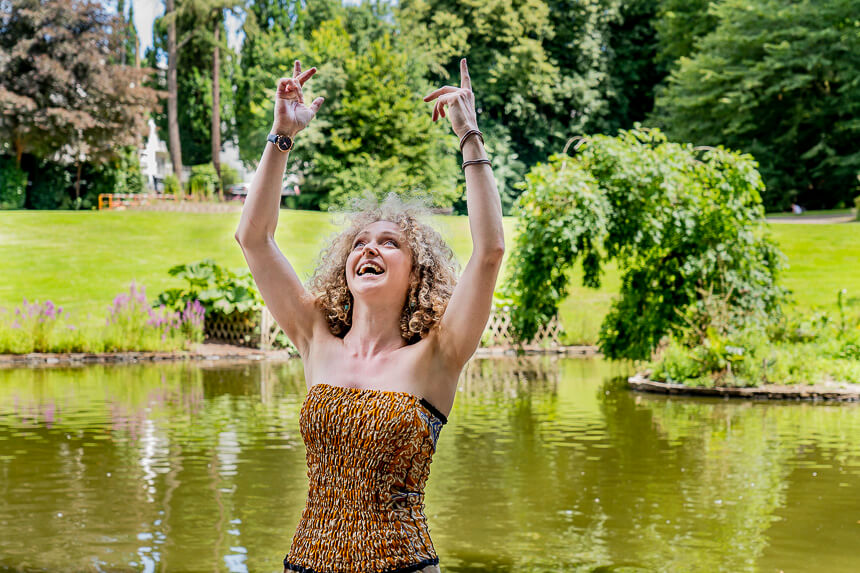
<point>430,287</point>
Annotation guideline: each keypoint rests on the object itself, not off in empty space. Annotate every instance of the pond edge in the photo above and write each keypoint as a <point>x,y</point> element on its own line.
<point>835,392</point>
<point>208,351</point>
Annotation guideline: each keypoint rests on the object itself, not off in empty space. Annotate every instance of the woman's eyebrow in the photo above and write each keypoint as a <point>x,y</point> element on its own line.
<point>381,234</point>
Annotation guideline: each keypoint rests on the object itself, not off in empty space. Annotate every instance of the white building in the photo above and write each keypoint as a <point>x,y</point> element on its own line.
<point>154,159</point>
<point>156,165</point>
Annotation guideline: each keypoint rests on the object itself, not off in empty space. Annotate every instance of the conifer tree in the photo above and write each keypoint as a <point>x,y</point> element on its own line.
<point>777,79</point>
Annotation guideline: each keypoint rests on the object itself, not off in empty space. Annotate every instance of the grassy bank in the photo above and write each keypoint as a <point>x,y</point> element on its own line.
<point>81,260</point>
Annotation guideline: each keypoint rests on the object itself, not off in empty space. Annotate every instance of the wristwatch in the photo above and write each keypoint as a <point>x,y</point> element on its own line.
<point>282,142</point>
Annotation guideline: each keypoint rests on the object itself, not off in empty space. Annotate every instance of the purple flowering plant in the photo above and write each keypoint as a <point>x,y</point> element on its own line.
<point>131,324</point>
<point>36,320</point>
<point>134,320</point>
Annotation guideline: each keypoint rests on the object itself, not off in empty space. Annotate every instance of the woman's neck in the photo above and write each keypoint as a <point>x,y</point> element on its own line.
<point>374,331</point>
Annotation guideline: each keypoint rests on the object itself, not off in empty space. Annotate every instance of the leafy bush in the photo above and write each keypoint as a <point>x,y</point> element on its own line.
<point>857,207</point>
<point>48,186</point>
<point>121,174</point>
<point>677,220</point>
<point>171,185</point>
<point>221,292</point>
<point>803,348</point>
<point>203,181</point>
<point>13,184</point>
<point>229,176</point>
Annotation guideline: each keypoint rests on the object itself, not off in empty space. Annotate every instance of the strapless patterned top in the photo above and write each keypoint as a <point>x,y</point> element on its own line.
<point>368,456</point>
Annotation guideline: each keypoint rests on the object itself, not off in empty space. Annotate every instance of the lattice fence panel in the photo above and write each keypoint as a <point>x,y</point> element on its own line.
<point>496,333</point>
<point>238,329</point>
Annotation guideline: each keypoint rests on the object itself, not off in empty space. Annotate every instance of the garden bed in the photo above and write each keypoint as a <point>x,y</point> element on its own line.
<point>203,351</point>
<point>833,391</point>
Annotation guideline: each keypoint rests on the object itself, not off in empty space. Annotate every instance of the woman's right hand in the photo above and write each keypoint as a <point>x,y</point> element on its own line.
<point>291,113</point>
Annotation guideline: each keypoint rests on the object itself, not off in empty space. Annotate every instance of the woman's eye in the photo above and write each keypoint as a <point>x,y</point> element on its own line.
<point>391,241</point>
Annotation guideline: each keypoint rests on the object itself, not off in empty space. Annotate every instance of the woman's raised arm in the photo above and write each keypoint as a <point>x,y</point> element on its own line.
<point>260,211</point>
<point>468,310</point>
<point>280,286</point>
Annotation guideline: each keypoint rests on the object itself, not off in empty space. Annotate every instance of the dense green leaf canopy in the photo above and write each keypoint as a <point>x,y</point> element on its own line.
<point>778,80</point>
<point>676,219</point>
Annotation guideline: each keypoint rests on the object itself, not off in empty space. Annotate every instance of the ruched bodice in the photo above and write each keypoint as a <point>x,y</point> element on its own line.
<point>368,457</point>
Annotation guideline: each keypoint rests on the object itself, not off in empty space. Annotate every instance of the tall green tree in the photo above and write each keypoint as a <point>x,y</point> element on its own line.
<point>195,104</point>
<point>129,42</point>
<point>545,70</point>
<point>208,19</point>
<point>777,79</point>
<point>174,141</point>
<point>376,132</point>
<point>680,24</point>
<point>634,71</point>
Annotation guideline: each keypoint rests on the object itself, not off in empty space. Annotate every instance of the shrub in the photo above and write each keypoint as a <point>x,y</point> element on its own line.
<point>221,292</point>
<point>203,181</point>
<point>120,174</point>
<point>800,349</point>
<point>217,288</point>
<point>171,185</point>
<point>677,219</point>
<point>13,184</point>
<point>229,176</point>
<point>48,186</point>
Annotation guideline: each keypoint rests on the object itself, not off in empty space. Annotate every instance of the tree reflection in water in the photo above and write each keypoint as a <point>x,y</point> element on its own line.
<point>547,463</point>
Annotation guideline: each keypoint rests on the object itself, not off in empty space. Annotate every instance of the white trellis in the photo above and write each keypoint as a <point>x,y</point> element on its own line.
<point>497,332</point>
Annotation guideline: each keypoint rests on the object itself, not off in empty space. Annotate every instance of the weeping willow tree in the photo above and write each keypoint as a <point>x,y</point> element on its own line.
<point>677,220</point>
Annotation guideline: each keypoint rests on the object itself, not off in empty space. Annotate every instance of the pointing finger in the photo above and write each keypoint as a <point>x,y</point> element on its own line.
<point>297,68</point>
<point>465,80</point>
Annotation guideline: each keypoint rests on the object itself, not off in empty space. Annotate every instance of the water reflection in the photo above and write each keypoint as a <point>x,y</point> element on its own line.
<point>547,464</point>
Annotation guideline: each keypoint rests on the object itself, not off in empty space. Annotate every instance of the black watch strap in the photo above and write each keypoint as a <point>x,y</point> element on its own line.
<point>282,142</point>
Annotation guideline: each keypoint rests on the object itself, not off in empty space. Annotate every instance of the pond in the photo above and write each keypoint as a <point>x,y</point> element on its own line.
<point>546,464</point>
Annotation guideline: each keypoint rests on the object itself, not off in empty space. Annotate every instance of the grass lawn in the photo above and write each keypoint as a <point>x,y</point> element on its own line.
<point>81,260</point>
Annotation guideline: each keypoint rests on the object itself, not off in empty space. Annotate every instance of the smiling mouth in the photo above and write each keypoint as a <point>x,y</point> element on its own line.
<point>369,269</point>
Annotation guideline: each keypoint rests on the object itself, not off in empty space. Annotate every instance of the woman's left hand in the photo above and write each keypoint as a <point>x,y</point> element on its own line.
<point>460,102</point>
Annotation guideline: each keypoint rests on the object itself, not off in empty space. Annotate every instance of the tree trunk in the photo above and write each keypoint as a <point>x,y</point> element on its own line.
<point>172,97</point>
<point>216,109</point>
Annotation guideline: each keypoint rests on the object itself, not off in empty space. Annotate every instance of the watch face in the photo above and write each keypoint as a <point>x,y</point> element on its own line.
<point>284,143</point>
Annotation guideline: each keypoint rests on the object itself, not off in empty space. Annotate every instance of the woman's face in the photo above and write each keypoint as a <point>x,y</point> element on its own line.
<point>381,243</point>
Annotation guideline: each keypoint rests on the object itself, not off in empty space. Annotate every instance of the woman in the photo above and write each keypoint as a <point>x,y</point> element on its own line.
<point>383,331</point>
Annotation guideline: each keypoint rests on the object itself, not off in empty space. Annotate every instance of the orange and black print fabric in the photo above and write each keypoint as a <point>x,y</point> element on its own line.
<point>368,457</point>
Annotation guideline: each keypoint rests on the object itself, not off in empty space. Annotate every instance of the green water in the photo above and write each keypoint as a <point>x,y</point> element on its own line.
<point>545,465</point>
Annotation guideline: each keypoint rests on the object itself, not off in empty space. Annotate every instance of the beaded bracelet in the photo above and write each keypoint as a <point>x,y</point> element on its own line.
<point>474,161</point>
<point>469,133</point>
